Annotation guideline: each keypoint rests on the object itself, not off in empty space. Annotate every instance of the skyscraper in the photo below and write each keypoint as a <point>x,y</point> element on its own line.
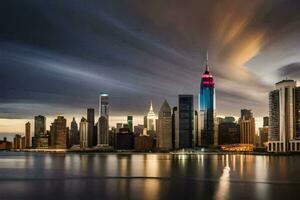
<point>186,121</point>
<point>104,105</point>
<point>164,128</point>
<point>103,121</point>
<point>74,135</point>
<point>103,131</point>
<point>91,121</point>
<point>39,125</point>
<point>247,127</point>
<point>84,133</point>
<point>39,131</point>
<point>59,133</point>
<point>27,134</point>
<point>284,120</point>
<point>129,122</point>
<point>207,107</point>
<point>151,119</point>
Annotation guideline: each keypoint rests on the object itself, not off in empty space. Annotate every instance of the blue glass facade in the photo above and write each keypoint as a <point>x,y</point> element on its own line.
<point>207,108</point>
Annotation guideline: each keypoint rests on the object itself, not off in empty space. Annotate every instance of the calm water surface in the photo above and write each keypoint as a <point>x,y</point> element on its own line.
<point>148,176</point>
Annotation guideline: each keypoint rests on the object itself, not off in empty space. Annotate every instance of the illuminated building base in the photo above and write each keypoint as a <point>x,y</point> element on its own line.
<point>238,147</point>
<point>280,146</point>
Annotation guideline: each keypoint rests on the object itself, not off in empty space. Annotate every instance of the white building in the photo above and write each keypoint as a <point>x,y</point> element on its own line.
<point>284,111</point>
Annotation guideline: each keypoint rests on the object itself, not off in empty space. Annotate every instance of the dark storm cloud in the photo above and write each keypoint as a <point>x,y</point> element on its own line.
<point>290,71</point>
<point>56,56</point>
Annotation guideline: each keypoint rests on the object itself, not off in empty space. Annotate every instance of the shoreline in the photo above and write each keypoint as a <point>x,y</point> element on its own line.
<point>66,151</point>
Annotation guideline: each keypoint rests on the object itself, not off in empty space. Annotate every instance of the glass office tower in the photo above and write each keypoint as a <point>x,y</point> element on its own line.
<point>186,121</point>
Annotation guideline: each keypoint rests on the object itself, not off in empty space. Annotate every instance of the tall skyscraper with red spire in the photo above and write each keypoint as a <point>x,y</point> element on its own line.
<point>207,106</point>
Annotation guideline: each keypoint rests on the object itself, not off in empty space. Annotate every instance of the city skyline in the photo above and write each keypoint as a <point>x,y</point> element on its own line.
<point>141,57</point>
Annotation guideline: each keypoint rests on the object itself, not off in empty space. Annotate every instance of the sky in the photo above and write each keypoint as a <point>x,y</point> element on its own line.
<point>57,56</point>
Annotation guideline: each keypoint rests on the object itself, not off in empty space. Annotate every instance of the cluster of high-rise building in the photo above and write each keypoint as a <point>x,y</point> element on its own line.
<point>183,126</point>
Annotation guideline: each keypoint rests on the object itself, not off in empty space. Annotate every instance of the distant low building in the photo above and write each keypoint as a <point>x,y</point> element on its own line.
<point>125,139</point>
<point>17,144</point>
<point>5,145</point>
<point>143,143</point>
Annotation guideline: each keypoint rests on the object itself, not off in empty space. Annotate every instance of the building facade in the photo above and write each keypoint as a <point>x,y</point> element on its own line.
<point>84,133</point>
<point>186,121</point>
<point>74,134</point>
<point>59,133</point>
<point>284,117</point>
<point>103,131</point>
<point>247,127</point>
<point>229,131</point>
<point>207,106</point>
<point>164,128</point>
<point>27,135</point>
<point>104,106</point>
<point>91,122</point>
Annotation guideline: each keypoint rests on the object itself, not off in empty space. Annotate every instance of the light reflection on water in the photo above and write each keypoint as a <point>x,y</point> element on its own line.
<point>148,176</point>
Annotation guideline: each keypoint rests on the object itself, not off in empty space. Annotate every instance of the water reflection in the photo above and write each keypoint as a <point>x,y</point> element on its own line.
<point>222,192</point>
<point>147,176</point>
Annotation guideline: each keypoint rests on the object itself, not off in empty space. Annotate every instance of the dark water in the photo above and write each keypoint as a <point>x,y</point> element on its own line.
<point>148,176</point>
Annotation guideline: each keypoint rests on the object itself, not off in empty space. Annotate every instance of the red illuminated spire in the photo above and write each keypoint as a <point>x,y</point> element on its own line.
<point>207,78</point>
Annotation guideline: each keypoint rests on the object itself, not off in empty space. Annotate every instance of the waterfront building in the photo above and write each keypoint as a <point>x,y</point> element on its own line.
<point>59,133</point>
<point>74,134</point>
<point>92,138</point>
<point>103,131</point>
<point>284,117</point>
<point>186,121</point>
<point>247,127</point>
<point>17,144</point>
<point>263,136</point>
<point>143,143</point>
<point>39,125</point>
<point>27,135</point>
<point>229,131</point>
<point>39,130</point>
<point>207,106</point>
<point>125,139</point>
<point>43,141</point>
<point>129,123</point>
<point>164,128</point>
<point>5,145</point>
<point>84,133</point>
